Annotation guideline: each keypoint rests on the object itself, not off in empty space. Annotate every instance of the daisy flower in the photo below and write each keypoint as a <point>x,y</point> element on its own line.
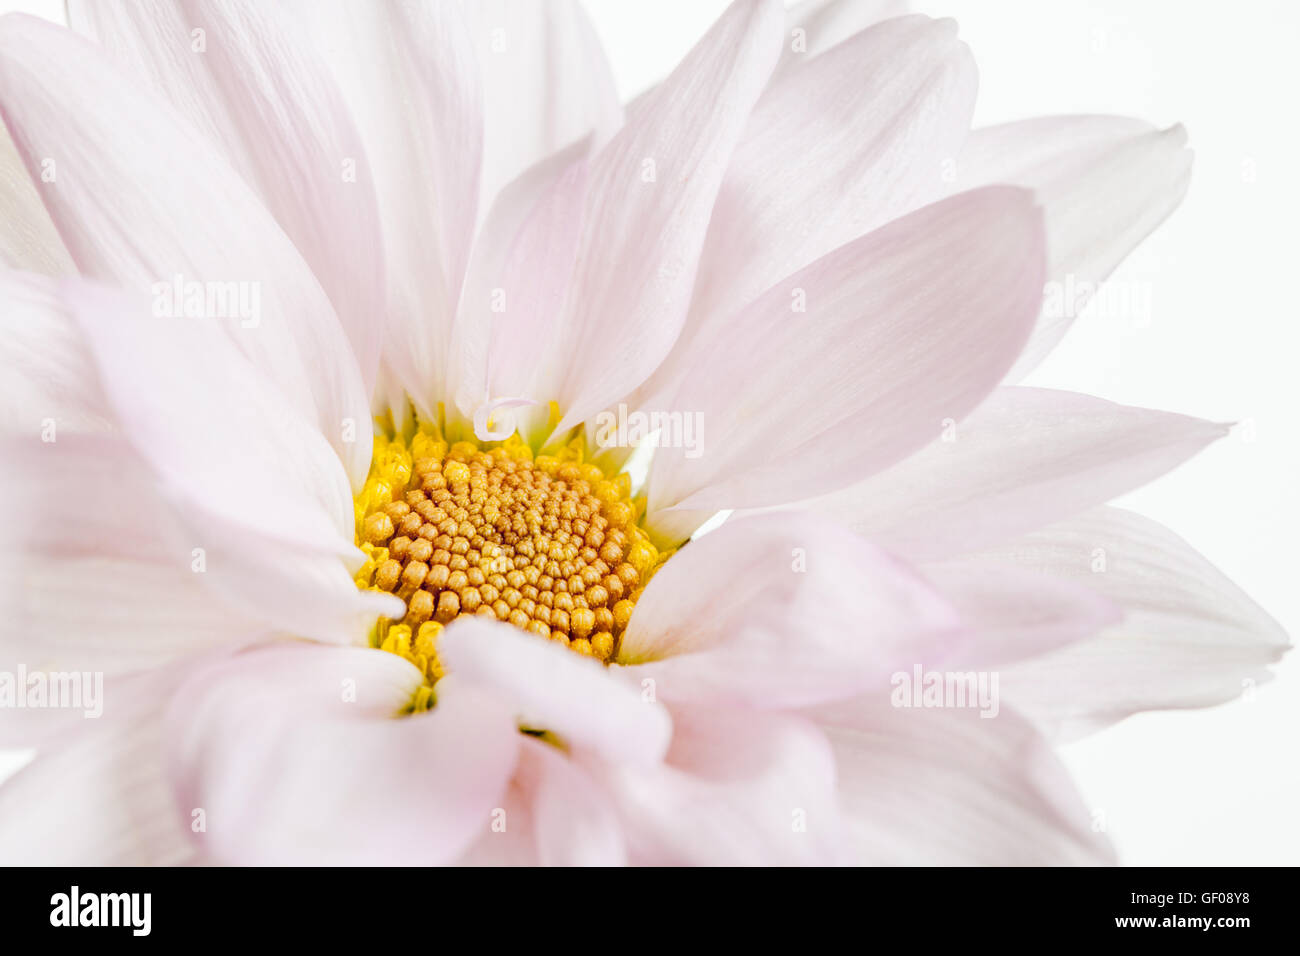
<point>338,336</point>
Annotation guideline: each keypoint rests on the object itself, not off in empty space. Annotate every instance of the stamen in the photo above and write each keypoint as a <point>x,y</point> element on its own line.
<point>548,545</point>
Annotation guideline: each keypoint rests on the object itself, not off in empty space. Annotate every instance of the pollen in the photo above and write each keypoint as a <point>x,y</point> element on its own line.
<point>547,543</point>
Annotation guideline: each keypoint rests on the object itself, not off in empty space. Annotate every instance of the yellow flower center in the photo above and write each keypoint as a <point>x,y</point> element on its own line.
<point>549,543</point>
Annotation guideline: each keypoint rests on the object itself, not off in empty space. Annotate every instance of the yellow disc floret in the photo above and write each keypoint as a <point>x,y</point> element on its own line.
<point>547,544</point>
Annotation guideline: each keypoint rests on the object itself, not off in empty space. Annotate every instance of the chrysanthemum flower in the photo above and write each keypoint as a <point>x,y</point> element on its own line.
<point>318,324</point>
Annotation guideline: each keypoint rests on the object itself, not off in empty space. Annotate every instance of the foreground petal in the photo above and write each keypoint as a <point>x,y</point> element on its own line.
<point>739,788</point>
<point>782,610</point>
<point>99,795</point>
<point>264,504</point>
<point>294,753</point>
<point>934,787</point>
<point>553,689</point>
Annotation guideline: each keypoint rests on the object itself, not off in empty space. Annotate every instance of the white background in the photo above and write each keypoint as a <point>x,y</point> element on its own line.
<point>1220,786</point>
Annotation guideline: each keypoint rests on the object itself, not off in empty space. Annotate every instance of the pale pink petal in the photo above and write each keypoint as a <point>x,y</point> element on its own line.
<point>553,689</point>
<point>546,83</point>
<point>1105,182</point>
<point>1017,613</point>
<point>835,147</point>
<point>910,325</point>
<point>739,788</point>
<point>297,754</point>
<point>936,787</point>
<point>266,100</point>
<point>103,576</point>
<point>1190,637</point>
<point>141,198</point>
<point>519,271</point>
<point>98,794</point>
<point>814,26</point>
<point>649,198</point>
<point>258,491</point>
<point>408,73</point>
<point>50,381</point>
<point>1023,459</point>
<point>28,239</point>
<point>782,610</point>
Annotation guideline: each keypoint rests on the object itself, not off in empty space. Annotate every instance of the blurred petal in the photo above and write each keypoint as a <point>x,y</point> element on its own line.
<point>99,795</point>
<point>814,26</point>
<point>935,787</point>
<point>49,378</point>
<point>739,788</point>
<point>28,239</point>
<point>295,753</point>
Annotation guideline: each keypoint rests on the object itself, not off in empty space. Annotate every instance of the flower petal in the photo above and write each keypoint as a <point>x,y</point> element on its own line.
<point>936,787</point>
<point>28,239</point>
<point>263,501</point>
<point>408,73</point>
<point>553,815</point>
<point>1190,637</point>
<point>50,380</point>
<point>782,610</point>
<point>1023,459</point>
<point>553,689</point>
<point>141,199</point>
<point>266,99</point>
<point>814,26</point>
<point>546,83</point>
<point>295,754</point>
<point>650,195</point>
<point>739,788</point>
<point>1105,182</point>
<point>99,795</point>
<point>910,325</point>
<point>891,104</point>
<point>112,590</point>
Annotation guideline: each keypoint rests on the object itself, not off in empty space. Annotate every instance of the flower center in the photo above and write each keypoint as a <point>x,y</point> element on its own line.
<point>546,543</point>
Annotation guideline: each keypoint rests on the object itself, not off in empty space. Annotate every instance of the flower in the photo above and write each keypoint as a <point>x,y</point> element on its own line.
<point>237,240</point>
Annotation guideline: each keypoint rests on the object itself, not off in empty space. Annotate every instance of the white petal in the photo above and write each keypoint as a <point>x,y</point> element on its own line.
<point>1023,459</point>
<point>947,787</point>
<point>1106,182</point>
<point>266,100</point>
<point>140,199</point>
<point>910,325</point>
<point>1190,637</point>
